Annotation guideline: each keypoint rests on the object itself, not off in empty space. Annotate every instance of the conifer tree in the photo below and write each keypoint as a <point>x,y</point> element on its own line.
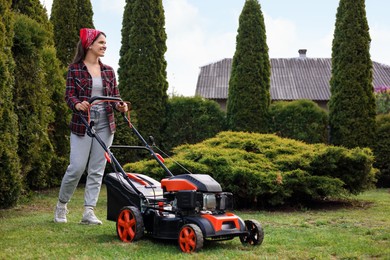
<point>58,129</point>
<point>10,179</point>
<point>142,72</point>
<point>38,84</point>
<point>32,100</point>
<point>33,9</point>
<point>67,18</point>
<point>249,97</point>
<point>352,103</point>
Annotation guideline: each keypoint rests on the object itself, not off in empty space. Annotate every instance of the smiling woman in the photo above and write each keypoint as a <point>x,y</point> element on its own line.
<point>92,44</point>
<point>88,77</point>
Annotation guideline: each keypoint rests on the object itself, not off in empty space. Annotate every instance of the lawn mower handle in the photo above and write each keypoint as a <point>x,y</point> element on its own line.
<point>92,99</point>
<point>91,133</point>
<point>147,147</point>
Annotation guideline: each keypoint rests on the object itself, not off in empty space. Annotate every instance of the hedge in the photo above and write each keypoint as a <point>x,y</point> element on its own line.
<point>264,169</point>
<point>381,149</point>
<point>301,120</point>
<point>191,120</point>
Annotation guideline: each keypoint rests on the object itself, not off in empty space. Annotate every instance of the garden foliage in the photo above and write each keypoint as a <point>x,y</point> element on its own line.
<point>58,129</point>
<point>10,178</point>
<point>191,120</point>
<point>38,98</point>
<point>67,18</point>
<point>381,149</point>
<point>249,95</point>
<point>382,98</point>
<point>263,169</point>
<point>352,103</point>
<point>142,64</point>
<point>301,120</point>
<point>32,99</point>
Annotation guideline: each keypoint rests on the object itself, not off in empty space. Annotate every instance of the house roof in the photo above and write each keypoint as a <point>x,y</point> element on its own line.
<point>291,78</point>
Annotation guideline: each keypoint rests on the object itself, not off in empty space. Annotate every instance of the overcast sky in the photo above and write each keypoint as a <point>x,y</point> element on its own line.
<point>204,31</point>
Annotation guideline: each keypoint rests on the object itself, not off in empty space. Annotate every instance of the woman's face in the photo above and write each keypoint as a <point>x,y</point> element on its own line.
<point>98,47</point>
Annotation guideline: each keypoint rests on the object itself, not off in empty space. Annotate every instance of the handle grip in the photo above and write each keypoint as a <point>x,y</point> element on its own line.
<point>92,99</point>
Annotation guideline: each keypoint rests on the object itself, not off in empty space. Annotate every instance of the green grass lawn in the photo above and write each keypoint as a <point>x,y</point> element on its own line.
<point>358,229</point>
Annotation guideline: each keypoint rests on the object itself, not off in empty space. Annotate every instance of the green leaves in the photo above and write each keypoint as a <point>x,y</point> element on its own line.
<point>301,120</point>
<point>352,103</point>
<point>68,17</point>
<point>249,97</point>
<point>142,72</point>
<point>191,120</point>
<point>263,169</point>
<point>10,178</point>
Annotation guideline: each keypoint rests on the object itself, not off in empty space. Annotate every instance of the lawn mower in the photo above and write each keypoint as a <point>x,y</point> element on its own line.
<point>189,208</point>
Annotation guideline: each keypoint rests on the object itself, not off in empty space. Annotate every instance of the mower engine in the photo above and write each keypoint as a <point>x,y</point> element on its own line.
<point>196,193</point>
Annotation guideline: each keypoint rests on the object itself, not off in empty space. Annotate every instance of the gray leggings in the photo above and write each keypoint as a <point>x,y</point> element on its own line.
<point>84,151</point>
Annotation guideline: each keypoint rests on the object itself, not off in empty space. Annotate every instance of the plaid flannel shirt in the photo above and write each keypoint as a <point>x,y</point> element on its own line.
<point>79,88</point>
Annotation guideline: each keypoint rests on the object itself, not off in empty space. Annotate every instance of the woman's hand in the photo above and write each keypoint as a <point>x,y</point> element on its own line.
<point>83,106</point>
<point>122,107</point>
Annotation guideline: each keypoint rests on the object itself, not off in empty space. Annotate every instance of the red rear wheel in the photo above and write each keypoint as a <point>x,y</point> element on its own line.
<point>190,238</point>
<point>129,225</point>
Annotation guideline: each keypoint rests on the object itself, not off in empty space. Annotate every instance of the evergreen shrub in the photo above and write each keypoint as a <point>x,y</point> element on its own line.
<point>58,128</point>
<point>301,120</point>
<point>10,178</point>
<point>382,99</point>
<point>32,99</point>
<point>264,169</point>
<point>352,103</point>
<point>249,84</point>
<point>381,150</point>
<point>142,65</point>
<point>191,120</point>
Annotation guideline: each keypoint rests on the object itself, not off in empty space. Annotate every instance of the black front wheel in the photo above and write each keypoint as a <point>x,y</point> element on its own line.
<point>255,233</point>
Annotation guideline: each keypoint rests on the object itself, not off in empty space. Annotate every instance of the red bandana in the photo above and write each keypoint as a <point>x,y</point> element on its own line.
<point>87,36</point>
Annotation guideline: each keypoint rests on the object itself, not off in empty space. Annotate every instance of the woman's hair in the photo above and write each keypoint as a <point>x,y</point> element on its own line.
<point>81,52</point>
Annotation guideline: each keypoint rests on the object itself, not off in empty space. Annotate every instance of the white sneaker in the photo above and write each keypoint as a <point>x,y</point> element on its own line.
<point>89,218</point>
<point>60,214</point>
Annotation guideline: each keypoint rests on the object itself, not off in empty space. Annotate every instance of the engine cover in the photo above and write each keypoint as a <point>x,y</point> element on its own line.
<point>198,182</point>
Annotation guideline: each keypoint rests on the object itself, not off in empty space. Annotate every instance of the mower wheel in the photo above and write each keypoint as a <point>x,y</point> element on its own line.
<point>190,238</point>
<point>129,225</point>
<point>255,234</point>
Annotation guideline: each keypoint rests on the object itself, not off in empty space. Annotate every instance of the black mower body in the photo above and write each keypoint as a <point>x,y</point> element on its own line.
<point>176,201</point>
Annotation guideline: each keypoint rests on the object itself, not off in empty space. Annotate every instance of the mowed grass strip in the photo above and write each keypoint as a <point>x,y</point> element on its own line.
<point>358,228</point>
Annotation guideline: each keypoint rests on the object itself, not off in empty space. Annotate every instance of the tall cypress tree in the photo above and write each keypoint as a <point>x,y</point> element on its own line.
<point>31,8</point>
<point>142,72</point>
<point>67,18</point>
<point>58,129</point>
<point>352,103</point>
<point>32,99</point>
<point>10,181</point>
<point>38,82</point>
<point>249,97</point>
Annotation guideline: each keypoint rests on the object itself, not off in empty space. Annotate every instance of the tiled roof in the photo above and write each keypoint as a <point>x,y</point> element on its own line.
<point>291,78</point>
